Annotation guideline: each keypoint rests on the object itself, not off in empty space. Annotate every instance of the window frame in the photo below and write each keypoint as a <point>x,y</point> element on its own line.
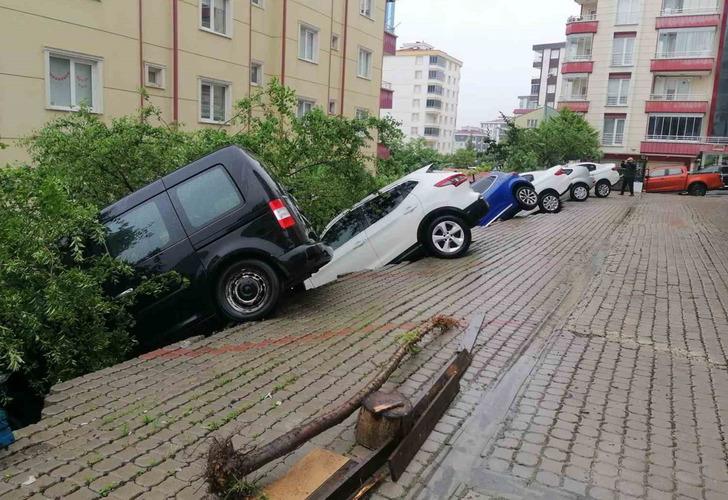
<point>301,43</point>
<point>678,116</point>
<point>614,132</point>
<point>304,100</point>
<point>96,64</point>
<point>623,61</point>
<point>258,3</point>
<point>163,72</point>
<point>259,65</point>
<point>367,12</point>
<point>621,98</point>
<point>202,80</point>
<point>335,41</point>
<point>228,19</point>
<point>370,63</point>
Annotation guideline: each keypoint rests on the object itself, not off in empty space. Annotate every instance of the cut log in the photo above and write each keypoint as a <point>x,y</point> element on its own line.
<point>380,418</point>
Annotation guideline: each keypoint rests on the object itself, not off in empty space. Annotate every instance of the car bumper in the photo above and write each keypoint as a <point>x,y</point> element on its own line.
<point>303,261</point>
<point>476,211</point>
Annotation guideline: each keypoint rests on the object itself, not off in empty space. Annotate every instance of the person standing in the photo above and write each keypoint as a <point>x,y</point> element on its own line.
<point>629,172</point>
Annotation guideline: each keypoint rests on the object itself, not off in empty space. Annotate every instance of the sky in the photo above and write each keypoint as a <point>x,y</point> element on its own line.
<point>493,38</point>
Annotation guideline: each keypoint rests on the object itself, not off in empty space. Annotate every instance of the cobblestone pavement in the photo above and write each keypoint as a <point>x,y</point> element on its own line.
<point>598,370</point>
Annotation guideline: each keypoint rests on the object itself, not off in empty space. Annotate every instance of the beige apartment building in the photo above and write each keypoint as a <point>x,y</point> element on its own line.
<point>195,58</point>
<point>647,75</point>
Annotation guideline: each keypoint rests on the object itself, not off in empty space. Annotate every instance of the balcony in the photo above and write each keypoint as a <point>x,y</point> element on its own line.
<point>386,96</point>
<point>432,132</point>
<point>582,24</point>
<point>576,104</point>
<point>673,145</point>
<point>579,63</point>
<point>438,61</point>
<point>435,90</point>
<point>700,60</point>
<point>390,43</point>
<point>436,75</point>
<point>686,19</point>
<point>676,103</point>
<point>433,104</point>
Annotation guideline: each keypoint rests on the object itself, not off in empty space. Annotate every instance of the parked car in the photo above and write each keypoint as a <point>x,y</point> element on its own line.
<point>229,232</point>
<point>551,185</point>
<point>506,194</point>
<point>429,208</point>
<point>679,179</point>
<point>605,176</point>
<point>719,169</point>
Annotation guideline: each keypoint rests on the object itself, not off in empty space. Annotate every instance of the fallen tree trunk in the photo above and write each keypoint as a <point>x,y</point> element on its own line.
<point>226,466</point>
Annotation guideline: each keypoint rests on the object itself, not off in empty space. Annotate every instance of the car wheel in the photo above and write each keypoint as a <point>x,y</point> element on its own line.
<point>580,192</point>
<point>698,189</point>
<point>549,202</point>
<point>248,290</point>
<point>447,237</point>
<point>526,197</point>
<point>603,189</point>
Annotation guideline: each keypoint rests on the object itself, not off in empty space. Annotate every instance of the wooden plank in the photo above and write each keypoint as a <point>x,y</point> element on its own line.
<point>408,447</point>
<point>306,475</point>
<point>472,331</point>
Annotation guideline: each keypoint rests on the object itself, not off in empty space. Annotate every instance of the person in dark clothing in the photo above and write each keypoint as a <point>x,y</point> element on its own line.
<point>629,172</point>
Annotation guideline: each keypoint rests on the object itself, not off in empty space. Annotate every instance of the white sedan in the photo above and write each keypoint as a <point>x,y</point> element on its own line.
<point>429,208</point>
<point>550,185</point>
<point>605,176</point>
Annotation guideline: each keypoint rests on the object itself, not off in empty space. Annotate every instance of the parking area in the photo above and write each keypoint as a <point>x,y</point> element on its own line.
<point>600,370</point>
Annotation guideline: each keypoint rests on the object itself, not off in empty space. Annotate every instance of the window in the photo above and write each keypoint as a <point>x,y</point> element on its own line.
<point>436,74</point>
<point>216,16</point>
<point>304,106</point>
<point>308,43</point>
<point>674,127</point>
<point>482,185</point>
<point>535,88</point>
<point>418,60</point>
<point>434,103</point>
<point>415,103</point>
<point>365,8</point>
<point>613,134</point>
<point>623,51</point>
<point>214,101</point>
<point>143,231</point>
<point>332,107</point>
<point>685,43</point>
<point>418,75</point>
<point>415,117</point>
<point>385,203</point>
<point>414,131</point>
<point>617,91</point>
<point>73,81</point>
<point>256,73</point>
<point>365,63</point>
<point>198,207</point>
<point>257,3</point>
<point>432,131</point>
<point>579,47</point>
<point>672,88</point>
<point>538,56</point>
<point>345,229</point>
<point>551,89</point>
<point>334,42</point>
<point>531,123</point>
<point>154,75</point>
<point>438,61</point>
<point>575,88</point>
<point>628,11</point>
<point>435,89</point>
<point>672,7</point>
<point>418,89</point>
<point>554,71</point>
<point>362,113</point>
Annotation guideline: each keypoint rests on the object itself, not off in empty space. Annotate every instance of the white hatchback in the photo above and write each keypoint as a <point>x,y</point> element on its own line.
<point>428,208</point>
<point>551,185</point>
<point>605,176</point>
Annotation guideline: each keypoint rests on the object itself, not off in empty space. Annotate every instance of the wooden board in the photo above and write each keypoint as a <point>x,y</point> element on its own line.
<point>306,475</point>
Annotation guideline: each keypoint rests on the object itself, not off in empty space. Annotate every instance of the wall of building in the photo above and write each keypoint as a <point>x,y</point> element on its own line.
<point>110,32</point>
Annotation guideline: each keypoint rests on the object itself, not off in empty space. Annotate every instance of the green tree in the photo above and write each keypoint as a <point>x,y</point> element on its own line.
<point>565,137</point>
<point>463,158</point>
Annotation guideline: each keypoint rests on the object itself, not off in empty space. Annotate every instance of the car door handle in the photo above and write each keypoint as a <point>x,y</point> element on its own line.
<point>360,244</point>
<point>125,293</point>
<point>409,210</point>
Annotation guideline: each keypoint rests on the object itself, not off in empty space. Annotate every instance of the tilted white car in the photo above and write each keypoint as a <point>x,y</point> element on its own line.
<point>605,176</point>
<point>551,185</point>
<point>430,208</point>
<point>581,181</point>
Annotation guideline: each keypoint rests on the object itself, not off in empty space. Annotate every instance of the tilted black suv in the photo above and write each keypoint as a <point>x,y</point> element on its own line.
<point>229,231</point>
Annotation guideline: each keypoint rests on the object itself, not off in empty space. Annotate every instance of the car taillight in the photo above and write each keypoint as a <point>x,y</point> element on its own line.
<point>453,180</point>
<point>283,216</point>
<point>560,172</point>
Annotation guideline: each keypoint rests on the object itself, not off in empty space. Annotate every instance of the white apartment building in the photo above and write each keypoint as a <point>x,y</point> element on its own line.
<point>426,85</point>
<point>494,129</point>
<point>474,137</point>
<point>647,75</point>
<point>545,78</point>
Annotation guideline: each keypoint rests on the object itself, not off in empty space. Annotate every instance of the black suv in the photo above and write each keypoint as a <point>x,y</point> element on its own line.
<point>233,236</point>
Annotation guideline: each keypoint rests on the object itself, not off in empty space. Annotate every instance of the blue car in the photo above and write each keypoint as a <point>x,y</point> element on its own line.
<point>506,194</point>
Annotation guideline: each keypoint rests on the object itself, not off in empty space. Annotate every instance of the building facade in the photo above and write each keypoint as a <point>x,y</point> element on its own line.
<point>494,129</point>
<point>194,58</point>
<point>545,79</point>
<point>474,137</point>
<point>650,76</point>
<point>534,117</point>
<point>426,85</point>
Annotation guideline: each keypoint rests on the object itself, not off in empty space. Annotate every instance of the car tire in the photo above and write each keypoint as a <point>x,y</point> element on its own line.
<point>603,189</point>
<point>698,189</point>
<point>447,237</point>
<point>247,290</point>
<point>579,192</point>
<point>549,202</point>
<point>526,197</point>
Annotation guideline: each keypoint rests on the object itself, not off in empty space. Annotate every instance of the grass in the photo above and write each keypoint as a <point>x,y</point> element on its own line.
<point>104,492</point>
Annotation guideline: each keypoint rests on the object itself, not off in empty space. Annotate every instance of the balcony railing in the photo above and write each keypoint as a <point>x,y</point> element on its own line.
<point>683,54</point>
<point>432,132</point>
<point>574,98</point>
<point>682,138</point>
<point>438,61</point>
<point>613,140</point>
<point>678,97</point>
<point>614,100</point>
<point>699,11</point>
<point>582,19</point>
<point>435,89</point>
<point>578,57</point>
<point>433,104</point>
<point>620,59</point>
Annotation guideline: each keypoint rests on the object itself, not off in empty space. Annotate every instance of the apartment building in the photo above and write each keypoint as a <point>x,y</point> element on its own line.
<point>545,78</point>
<point>495,129</point>
<point>426,85</point>
<point>473,137</point>
<point>648,74</point>
<point>195,58</point>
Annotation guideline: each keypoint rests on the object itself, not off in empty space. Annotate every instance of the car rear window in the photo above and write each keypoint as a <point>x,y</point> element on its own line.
<point>385,203</point>
<point>482,185</point>
<point>344,229</point>
<point>143,231</point>
<point>207,196</point>
<point>567,171</point>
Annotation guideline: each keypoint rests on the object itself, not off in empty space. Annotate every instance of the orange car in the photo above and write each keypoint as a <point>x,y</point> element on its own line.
<point>679,179</point>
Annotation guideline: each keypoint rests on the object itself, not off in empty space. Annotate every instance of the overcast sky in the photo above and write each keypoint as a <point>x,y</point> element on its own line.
<point>493,38</point>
